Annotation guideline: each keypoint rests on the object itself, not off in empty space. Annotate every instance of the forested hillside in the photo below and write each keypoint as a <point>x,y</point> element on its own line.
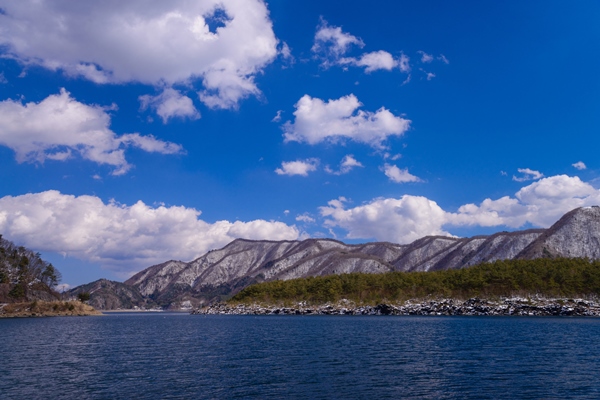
<point>24,275</point>
<point>562,277</point>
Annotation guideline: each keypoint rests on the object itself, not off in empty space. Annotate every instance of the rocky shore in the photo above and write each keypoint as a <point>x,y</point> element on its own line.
<point>471,307</point>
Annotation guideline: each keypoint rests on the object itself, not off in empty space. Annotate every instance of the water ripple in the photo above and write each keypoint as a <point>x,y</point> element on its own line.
<point>177,356</point>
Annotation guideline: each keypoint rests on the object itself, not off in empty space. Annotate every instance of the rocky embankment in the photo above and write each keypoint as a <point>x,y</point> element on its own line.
<point>47,309</point>
<point>470,307</point>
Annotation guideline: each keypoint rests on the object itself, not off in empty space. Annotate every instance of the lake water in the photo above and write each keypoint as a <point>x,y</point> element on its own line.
<point>180,356</point>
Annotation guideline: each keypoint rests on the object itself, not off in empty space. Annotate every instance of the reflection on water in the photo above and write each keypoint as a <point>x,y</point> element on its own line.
<point>182,356</point>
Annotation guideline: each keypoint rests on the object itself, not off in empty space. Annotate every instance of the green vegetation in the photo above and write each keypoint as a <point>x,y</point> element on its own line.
<point>83,296</point>
<point>560,277</point>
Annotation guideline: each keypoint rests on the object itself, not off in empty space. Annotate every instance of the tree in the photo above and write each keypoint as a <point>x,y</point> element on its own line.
<point>51,276</point>
<point>83,296</point>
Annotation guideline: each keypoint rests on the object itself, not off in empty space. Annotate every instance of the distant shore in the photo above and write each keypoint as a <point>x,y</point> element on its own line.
<point>516,306</point>
<point>47,309</point>
<point>132,310</point>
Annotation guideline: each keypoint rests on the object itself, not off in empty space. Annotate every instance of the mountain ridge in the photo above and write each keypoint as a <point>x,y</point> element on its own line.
<point>221,273</point>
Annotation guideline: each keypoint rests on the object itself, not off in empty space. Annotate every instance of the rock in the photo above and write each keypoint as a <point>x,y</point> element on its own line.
<point>471,307</point>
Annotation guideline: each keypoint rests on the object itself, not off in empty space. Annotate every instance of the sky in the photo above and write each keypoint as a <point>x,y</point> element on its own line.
<point>132,133</point>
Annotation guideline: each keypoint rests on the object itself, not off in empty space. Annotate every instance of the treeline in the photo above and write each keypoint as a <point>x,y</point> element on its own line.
<point>23,273</point>
<point>562,277</point>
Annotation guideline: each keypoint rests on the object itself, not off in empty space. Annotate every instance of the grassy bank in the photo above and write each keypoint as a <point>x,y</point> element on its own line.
<point>47,309</point>
<point>545,277</point>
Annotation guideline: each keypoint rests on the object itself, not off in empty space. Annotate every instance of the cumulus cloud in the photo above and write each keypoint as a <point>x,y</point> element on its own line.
<point>527,175</point>
<point>348,164</point>
<point>317,121</point>
<point>305,218</point>
<point>124,238</point>
<point>59,127</point>
<point>408,218</point>
<point>579,165</point>
<point>223,43</point>
<point>399,175</point>
<point>373,61</point>
<point>331,42</point>
<point>400,220</point>
<point>170,104</point>
<point>298,167</point>
<point>540,203</point>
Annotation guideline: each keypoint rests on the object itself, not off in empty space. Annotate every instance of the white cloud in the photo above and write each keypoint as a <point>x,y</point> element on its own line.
<point>298,167</point>
<point>59,126</point>
<point>579,165</point>
<point>331,42</point>
<point>348,163</point>
<point>63,287</point>
<point>527,175</point>
<point>170,104</point>
<point>3,78</point>
<point>317,121</point>
<point>305,218</point>
<point>373,61</point>
<point>286,53</point>
<point>155,43</point>
<point>404,64</point>
<point>540,203</point>
<point>392,157</point>
<point>425,58</point>
<point>396,220</point>
<point>120,237</point>
<point>430,75</point>
<point>408,218</point>
<point>277,117</point>
<point>443,59</point>
<point>399,175</point>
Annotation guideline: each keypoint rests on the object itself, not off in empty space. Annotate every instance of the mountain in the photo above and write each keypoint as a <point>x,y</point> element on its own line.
<point>576,234</point>
<point>221,273</point>
<point>110,295</point>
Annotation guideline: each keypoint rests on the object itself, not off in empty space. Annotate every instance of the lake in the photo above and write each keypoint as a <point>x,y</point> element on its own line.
<point>181,356</point>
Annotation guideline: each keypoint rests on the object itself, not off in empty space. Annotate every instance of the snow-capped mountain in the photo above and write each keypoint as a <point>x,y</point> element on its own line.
<point>220,273</point>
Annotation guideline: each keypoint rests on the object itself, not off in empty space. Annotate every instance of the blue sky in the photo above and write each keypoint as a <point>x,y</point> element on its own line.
<point>131,134</point>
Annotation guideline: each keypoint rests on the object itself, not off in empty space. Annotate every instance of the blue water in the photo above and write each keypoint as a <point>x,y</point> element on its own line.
<point>179,356</point>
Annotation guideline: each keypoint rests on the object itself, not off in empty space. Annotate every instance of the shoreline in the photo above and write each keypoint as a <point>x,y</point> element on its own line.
<point>40,309</point>
<point>129,310</point>
<point>513,306</point>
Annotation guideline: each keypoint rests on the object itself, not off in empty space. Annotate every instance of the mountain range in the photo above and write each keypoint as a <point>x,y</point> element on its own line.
<point>221,273</point>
